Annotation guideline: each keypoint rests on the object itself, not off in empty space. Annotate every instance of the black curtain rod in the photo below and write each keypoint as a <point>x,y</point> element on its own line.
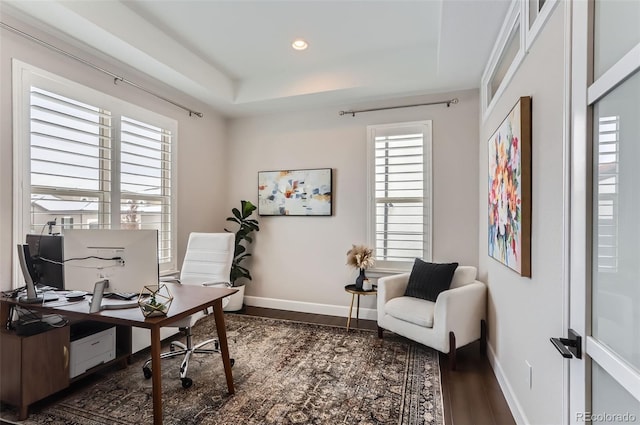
<point>442,102</point>
<point>115,77</point>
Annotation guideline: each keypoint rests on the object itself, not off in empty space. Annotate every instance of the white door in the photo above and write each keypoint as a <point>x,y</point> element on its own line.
<point>604,386</point>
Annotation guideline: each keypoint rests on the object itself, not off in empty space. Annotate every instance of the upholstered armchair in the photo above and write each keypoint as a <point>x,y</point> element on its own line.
<point>455,319</point>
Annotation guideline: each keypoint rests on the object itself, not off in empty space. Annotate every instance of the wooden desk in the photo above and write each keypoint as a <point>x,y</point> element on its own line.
<point>187,300</point>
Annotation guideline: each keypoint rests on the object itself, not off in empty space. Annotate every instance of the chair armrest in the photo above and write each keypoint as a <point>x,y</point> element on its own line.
<point>460,310</point>
<point>390,287</point>
<point>225,284</point>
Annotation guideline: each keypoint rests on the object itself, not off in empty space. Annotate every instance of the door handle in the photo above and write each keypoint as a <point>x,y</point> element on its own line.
<point>569,347</point>
<point>65,355</point>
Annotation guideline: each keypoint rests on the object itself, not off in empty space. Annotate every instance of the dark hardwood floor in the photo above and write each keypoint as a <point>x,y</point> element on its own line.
<point>471,394</point>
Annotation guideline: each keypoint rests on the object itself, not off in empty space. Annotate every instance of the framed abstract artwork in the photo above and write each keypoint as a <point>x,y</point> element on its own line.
<point>295,192</point>
<point>509,229</point>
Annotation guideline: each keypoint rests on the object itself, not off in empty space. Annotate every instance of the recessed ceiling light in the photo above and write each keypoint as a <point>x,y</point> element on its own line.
<point>299,44</point>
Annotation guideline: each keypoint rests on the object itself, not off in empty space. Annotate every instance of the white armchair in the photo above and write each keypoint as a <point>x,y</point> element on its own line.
<point>455,319</point>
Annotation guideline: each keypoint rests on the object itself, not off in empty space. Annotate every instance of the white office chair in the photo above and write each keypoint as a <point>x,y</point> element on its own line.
<point>207,262</point>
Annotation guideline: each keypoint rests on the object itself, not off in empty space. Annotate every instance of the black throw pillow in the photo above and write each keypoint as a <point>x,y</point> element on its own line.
<point>427,280</point>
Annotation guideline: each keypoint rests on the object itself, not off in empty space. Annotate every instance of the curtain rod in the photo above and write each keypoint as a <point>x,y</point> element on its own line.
<point>115,77</point>
<point>442,102</point>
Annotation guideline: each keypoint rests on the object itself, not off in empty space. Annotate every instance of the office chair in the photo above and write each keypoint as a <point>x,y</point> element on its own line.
<point>207,262</point>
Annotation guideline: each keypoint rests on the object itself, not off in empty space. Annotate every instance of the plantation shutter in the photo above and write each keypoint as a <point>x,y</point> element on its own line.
<point>70,160</point>
<point>79,169</point>
<point>145,180</point>
<point>401,195</point>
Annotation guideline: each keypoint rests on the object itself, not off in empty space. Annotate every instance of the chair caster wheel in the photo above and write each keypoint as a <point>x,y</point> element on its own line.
<point>186,382</point>
<point>172,348</point>
<point>232,361</point>
<point>147,372</point>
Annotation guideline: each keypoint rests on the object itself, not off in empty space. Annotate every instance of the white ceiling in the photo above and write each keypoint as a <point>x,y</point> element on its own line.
<point>236,55</point>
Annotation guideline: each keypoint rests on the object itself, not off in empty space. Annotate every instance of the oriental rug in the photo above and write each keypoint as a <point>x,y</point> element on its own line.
<point>285,373</point>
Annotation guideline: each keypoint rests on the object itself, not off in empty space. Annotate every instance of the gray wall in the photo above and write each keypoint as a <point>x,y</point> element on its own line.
<point>523,313</point>
<point>302,259</point>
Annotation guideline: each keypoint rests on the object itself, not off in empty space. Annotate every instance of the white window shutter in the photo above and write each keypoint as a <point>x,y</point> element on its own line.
<point>70,159</point>
<point>400,159</point>
<point>145,180</point>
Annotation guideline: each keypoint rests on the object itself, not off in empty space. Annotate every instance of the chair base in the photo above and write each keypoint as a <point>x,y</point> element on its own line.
<point>185,350</point>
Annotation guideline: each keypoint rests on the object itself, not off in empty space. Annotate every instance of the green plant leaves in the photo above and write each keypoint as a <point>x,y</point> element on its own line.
<point>247,227</point>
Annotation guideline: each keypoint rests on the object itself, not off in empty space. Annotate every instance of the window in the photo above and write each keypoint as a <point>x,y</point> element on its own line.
<point>522,24</point>
<point>505,58</point>
<point>400,193</point>
<point>90,161</point>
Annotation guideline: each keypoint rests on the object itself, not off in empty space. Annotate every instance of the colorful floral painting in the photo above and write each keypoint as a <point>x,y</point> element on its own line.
<point>510,190</point>
<point>295,192</point>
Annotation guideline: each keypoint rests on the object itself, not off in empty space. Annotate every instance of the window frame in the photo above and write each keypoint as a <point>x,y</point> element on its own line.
<point>23,77</point>
<point>514,18</point>
<point>519,13</point>
<point>388,267</point>
<point>542,14</point>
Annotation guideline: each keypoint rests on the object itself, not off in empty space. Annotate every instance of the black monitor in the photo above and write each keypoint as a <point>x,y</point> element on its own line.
<point>47,256</point>
<point>24,257</point>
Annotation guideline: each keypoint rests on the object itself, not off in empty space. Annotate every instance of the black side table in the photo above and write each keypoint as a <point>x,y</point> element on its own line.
<point>356,293</point>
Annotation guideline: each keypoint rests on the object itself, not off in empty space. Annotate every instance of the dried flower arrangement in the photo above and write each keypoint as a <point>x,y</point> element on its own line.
<point>360,256</point>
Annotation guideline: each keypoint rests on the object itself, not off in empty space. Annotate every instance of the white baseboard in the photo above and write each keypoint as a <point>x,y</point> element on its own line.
<point>512,400</point>
<point>305,307</point>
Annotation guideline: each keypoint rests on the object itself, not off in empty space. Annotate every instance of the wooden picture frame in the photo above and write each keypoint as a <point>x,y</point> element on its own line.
<point>509,190</point>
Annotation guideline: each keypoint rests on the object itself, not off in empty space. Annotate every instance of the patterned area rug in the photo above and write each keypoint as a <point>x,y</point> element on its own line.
<point>285,373</point>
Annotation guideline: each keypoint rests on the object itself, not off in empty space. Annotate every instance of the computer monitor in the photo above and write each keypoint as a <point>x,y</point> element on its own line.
<point>128,259</point>
<point>47,257</point>
<point>24,257</point>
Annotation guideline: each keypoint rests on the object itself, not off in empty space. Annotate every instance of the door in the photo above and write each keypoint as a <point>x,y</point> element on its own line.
<point>604,386</point>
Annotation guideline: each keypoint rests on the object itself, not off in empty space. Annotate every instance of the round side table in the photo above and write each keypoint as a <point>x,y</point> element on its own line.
<point>355,293</point>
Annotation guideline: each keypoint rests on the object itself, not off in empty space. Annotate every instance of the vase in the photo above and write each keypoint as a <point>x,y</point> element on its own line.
<point>234,302</point>
<point>360,279</point>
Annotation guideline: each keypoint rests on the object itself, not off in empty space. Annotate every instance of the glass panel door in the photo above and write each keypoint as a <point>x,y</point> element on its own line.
<point>614,343</point>
<point>615,307</point>
<point>604,300</point>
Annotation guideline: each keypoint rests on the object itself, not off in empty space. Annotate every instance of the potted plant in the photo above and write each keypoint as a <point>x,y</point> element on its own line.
<point>361,257</point>
<point>247,225</point>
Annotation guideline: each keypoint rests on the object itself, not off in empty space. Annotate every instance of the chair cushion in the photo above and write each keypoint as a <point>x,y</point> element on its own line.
<point>412,310</point>
<point>463,276</point>
<point>427,280</point>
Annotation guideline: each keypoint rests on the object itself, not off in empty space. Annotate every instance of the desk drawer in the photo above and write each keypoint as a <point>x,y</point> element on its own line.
<point>91,351</point>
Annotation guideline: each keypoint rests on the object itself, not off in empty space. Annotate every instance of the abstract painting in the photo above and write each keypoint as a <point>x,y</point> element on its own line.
<point>510,190</point>
<point>295,192</point>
